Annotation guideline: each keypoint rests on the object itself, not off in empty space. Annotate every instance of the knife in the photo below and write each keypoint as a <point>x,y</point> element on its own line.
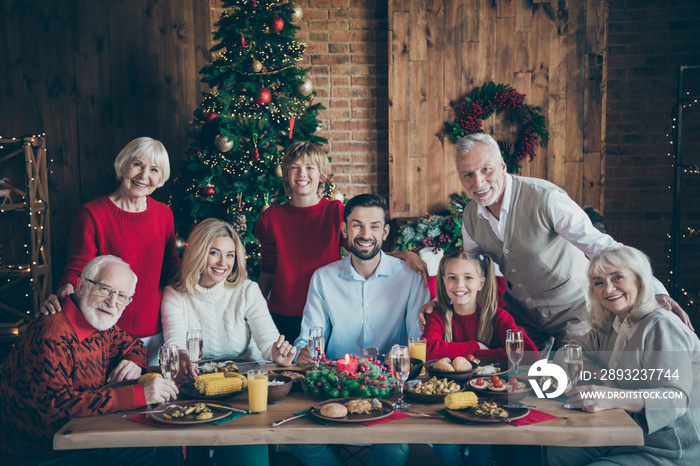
<point>519,405</point>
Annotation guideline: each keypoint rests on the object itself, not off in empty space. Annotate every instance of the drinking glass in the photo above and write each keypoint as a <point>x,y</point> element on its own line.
<point>195,346</point>
<point>400,367</point>
<point>169,361</point>
<point>317,344</point>
<point>514,348</point>
<point>257,391</point>
<point>417,347</point>
<point>573,362</point>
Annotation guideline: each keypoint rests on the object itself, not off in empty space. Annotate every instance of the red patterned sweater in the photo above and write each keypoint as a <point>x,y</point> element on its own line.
<point>56,372</point>
<point>464,333</point>
<point>294,242</point>
<point>144,240</point>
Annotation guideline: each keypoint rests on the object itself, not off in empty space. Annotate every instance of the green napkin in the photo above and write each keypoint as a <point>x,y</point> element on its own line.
<point>230,417</point>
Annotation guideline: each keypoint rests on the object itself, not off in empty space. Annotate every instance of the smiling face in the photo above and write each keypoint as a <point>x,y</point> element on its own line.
<point>104,312</point>
<point>303,177</point>
<point>365,231</point>
<point>463,280</point>
<point>141,178</point>
<point>616,290</point>
<point>482,174</point>
<point>221,260</point>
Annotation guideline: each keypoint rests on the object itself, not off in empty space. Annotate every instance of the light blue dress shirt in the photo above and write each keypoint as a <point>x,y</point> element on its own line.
<point>358,313</point>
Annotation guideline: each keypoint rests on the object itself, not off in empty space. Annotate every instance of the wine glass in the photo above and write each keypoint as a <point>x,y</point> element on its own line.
<point>514,348</point>
<point>573,362</point>
<point>400,367</point>
<point>317,344</point>
<point>169,361</point>
<point>195,347</point>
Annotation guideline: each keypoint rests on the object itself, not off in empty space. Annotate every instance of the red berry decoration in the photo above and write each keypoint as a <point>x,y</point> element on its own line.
<point>277,24</point>
<point>209,191</point>
<point>264,96</point>
<point>212,117</point>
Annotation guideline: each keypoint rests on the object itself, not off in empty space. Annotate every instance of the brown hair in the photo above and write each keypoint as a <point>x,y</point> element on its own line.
<point>311,151</point>
<point>487,297</point>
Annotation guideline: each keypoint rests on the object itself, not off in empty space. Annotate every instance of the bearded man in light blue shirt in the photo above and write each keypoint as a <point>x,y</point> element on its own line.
<point>366,300</point>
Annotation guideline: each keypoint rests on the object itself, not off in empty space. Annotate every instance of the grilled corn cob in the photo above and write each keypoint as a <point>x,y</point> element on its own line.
<point>219,386</point>
<point>244,380</point>
<point>199,381</point>
<point>146,377</point>
<point>461,400</point>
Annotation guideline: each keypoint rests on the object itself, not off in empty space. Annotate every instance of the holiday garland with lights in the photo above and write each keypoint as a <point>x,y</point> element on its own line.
<point>260,103</point>
<point>491,97</point>
<point>372,379</point>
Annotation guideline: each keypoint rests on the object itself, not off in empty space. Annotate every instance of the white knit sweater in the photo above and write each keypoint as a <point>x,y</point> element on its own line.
<point>235,322</point>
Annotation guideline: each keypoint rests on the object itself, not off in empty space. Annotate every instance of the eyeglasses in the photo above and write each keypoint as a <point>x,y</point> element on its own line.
<point>107,291</point>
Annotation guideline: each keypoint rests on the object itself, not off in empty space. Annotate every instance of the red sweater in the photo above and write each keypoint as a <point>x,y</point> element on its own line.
<point>144,240</point>
<point>56,372</point>
<point>464,333</point>
<point>295,241</point>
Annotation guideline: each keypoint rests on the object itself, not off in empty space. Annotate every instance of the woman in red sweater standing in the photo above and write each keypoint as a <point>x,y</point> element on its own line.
<point>134,227</point>
<point>466,324</point>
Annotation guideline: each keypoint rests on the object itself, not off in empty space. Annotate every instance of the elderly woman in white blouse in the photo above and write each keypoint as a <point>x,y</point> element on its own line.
<point>649,360</point>
<point>212,294</point>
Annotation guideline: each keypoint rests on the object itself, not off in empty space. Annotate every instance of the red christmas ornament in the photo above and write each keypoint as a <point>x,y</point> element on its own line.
<point>242,41</point>
<point>256,154</point>
<point>291,127</point>
<point>277,24</point>
<point>264,96</point>
<point>212,117</point>
<point>209,191</point>
<point>254,4</point>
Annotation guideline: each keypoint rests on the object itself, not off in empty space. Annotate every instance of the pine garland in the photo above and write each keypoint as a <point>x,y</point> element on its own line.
<point>373,380</point>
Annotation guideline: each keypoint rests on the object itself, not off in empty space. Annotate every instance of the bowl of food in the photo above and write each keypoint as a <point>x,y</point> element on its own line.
<point>416,368</point>
<point>431,391</point>
<point>456,369</point>
<point>278,387</point>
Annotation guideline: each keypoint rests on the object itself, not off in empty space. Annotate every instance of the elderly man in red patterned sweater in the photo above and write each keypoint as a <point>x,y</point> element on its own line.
<point>59,367</point>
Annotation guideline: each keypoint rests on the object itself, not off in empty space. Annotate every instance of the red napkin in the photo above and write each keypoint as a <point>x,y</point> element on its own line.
<point>143,419</point>
<point>533,417</point>
<point>395,416</point>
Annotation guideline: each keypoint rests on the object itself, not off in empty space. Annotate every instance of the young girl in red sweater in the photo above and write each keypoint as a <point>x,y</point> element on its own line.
<point>469,320</point>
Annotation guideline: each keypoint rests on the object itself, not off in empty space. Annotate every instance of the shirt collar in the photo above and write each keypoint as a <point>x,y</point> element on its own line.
<point>75,317</point>
<point>384,267</point>
<point>507,195</point>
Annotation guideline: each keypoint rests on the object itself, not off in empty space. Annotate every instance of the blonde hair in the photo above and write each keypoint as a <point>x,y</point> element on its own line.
<point>147,150</point>
<point>93,268</point>
<point>194,260</point>
<point>616,258</point>
<point>488,296</point>
<point>315,155</point>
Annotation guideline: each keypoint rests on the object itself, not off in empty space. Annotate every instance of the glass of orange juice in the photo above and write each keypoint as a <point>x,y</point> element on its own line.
<point>417,347</point>
<point>257,391</point>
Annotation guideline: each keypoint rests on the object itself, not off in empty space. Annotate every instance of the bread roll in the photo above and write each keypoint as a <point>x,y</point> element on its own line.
<point>444,365</point>
<point>334,410</point>
<point>461,364</point>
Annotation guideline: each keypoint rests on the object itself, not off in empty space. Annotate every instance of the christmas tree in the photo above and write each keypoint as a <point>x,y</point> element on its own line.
<point>260,103</point>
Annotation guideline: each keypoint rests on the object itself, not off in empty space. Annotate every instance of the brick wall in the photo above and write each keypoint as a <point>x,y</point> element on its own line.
<point>647,42</point>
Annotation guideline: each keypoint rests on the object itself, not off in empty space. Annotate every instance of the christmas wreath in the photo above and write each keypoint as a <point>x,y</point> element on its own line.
<point>487,99</point>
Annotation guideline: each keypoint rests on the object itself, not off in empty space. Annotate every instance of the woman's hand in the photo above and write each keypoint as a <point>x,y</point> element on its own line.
<point>305,358</point>
<point>52,304</point>
<point>425,309</point>
<point>282,352</point>
<point>599,398</point>
<point>187,369</point>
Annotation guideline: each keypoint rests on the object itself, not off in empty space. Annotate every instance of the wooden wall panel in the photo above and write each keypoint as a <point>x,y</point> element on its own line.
<point>93,75</point>
<point>554,52</point>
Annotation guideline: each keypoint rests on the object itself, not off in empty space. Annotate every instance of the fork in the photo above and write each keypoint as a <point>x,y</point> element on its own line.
<point>432,416</point>
<point>155,410</point>
<point>282,421</point>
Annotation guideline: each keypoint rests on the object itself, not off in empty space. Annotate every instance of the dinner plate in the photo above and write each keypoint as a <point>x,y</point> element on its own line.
<point>386,410</point>
<point>500,396</point>
<point>243,366</point>
<point>188,391</point>
<point>169,408</point>
<point>457,376</point>
<point>424,398</point>
<point>468,414</point>
<point>501,366</point>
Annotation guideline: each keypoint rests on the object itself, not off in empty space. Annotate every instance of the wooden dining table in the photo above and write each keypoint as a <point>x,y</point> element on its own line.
<point>571,428</point>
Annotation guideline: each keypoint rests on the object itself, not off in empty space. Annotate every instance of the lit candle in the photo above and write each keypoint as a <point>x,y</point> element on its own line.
<point>348,365</point>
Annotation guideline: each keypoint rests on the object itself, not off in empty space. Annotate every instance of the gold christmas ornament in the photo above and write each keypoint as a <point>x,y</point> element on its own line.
<point>257,66</point>
<point>305,88</point>
<point>297,12</point>
<point>278,171</point>
<point>222,143</point>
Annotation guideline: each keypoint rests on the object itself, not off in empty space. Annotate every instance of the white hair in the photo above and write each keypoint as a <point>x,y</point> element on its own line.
<point>148,150</point>
<point>93,268</point>
<point>466,145</point>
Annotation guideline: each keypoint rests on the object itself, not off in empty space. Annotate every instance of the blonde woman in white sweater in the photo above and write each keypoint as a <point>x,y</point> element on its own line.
<point>212,293</point>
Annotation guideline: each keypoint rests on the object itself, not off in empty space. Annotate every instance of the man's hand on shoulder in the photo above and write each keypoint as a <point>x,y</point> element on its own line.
<point>125,370</point>
<point>158,390</point>
<point>427,308</point>
<point>52,304</point>
<point>670,305</point>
